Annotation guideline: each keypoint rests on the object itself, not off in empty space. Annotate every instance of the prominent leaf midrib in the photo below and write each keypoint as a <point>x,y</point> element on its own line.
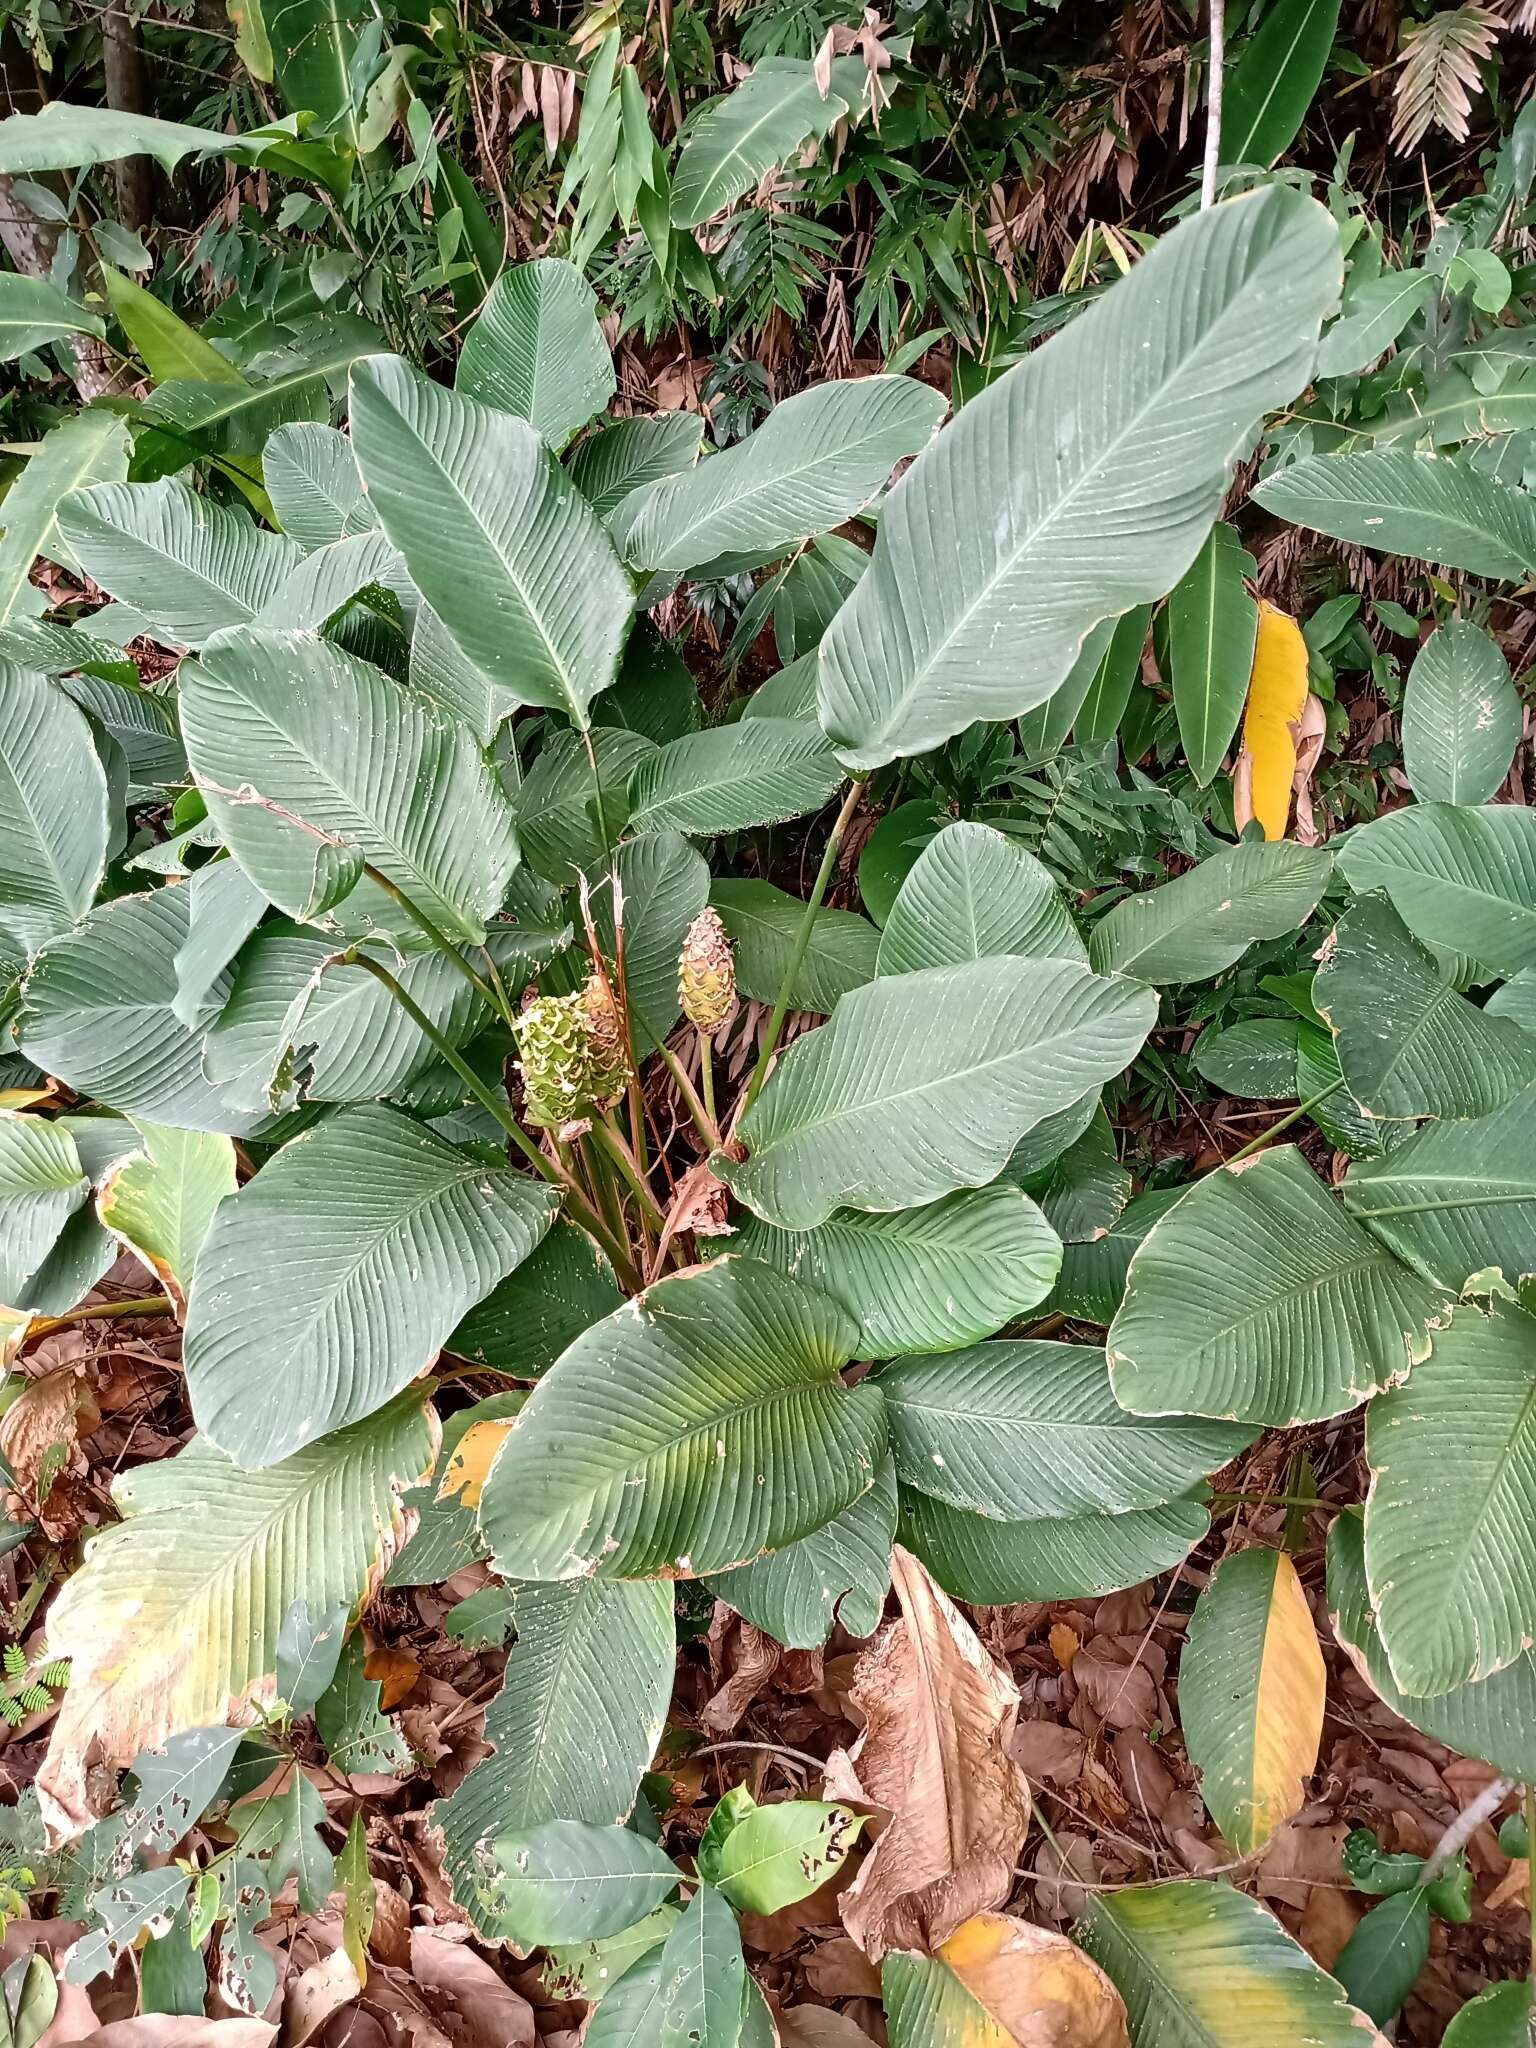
<point>185,574</point>
<point>1171,1989</point>
<point>1405,1042</point>
<point>717,1419</point>
<point>661,799</point>
<point>772,110</point>
<point>1518,1192</point>
<point>1277,78</point>
<point>243,398</point>
<point>1376,1258</point>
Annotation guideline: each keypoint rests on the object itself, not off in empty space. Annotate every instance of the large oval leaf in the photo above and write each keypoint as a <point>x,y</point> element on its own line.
<point>1126,422</point>
<point>1452,1569</point>
<point>314,486</point>
<point>536,349</point>
<point>1068,1557</point>
<point>1275,79</point>
<point>172,1621</point>
<point>838,1575</point>
<point>383,1235</point>
<point>1198,925</point>
<point>701,1425</point>
<point>1212,626</point>
<point>776,109</point>
<point>285,732</point>
<point>1026,1430</point>
<point>1461,716</point>
<point>55,820</point>
<point>1257,1298</point>
<point>1432,507</point>
<point>764,923</point>
<point>924,1083</point>
<point>1462,880</point>
<point>758,771</point>
<point>496,538</point>
<point>42,1184</point>
<point>973,894</point>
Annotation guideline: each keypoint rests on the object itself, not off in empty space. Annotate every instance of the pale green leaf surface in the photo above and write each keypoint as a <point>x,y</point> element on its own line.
<point>1194,927</point>
<point>763,923</point>
<point>536,349</point>
<point>1463,880</point>
<point>837,1576</point>
<point>54,815</point>
<point>758,771</point>
<point>1431,507</point>
<point>626,455</point>
<point>1073,1557</point>
<point>741,135</point>
<point>161,1201</point>
<point>41,1186</point>
<point>973,895</point>
<point>566,1880</point>
<point>1461,716</point>
<point>88,448</point>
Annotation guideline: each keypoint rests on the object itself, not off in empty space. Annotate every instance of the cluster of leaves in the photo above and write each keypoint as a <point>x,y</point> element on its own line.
<point>274,925</point>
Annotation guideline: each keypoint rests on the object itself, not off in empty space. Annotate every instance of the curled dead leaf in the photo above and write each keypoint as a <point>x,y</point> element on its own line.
<point>1037,1985</point>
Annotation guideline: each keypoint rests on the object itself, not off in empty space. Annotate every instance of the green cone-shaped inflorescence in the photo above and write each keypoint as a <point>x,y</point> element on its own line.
<point>706,974</point>
<point>572,1056</point>
<point>608,1075</point>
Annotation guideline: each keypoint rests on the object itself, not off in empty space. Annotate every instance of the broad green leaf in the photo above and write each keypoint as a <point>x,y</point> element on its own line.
<point>566,1880</point>
<point>83,1251</point>
<point>1212,626</point>
<point>536,350</point>
<point>1461,717</point>
<point>758,771</point>
<point>384,1236</point>
<point>1274,80</point>
<point>1255,1058</point>
<point>764,923</point>
<point>1432,507</point>
<point>656,695</point>
<point>1251,1691</point>
<point>1380,1963</point>
<point>314,44</point>
<point>995,1983</point>
<point>1073,1557</point>
<point>1128,420</point>
<point>734,140</point>
<point>1494,1720</point>
<point>1320,1085</point>
<point>973,895</point>
<point>1027,1430</point>
<point>1408,1044</point>
<point>34,312</point>
<point>580,1712</point>
<point>326,582</point>
<point>780,1853</point>
<point>161,1201</point>
<point>1099,715</point>
<point>309,1648</point>
<point>1458,1197</point>
<point>924,1083</point>
<point>187,566</point>
<point>1257,1298</point>
<point>664,884</point>
<point>691,1431</point>
<point>1374,315</point>
<point>1516,999</point>
<point>41,1186</point>
<point>1197,926</point>
<point>447,1534</point>
<point>296,386</point>
<point>88,448</point>
<point>311,760</point>
<point>1084,1189</point>
<point>704,1976</point>
<point>314,486</point>
<point>170,348</point>
<point>441,670</point>
<point>1499,2017</point>
<point>1461,880</point>
<point>55,818</point>
<point>567,820</point>
<point>590,1969</point>
<point>789,694</point>
<point>630,2014</point>
<point>141,723</point>
<point>837,1576</point>
<point>66,138</point>
<point>817,459</point>
<point>295,1817</point>
<point>1200,1965</point>
<point>498,541</point>
<point>1092,1283</point>
<point>625,455</point>
<point>1451,1568</point>
<point>138,1902</point>
<point>224,908</point>
<point>528,1319</point>
<point>929,1279</point>
<point>1044,731</point>
<point>98,1012</point>
<point>173,1618</point>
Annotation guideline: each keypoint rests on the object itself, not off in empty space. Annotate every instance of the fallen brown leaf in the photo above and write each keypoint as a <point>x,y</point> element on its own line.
<point>1038,1986</point>
<point>934,1755</point>
<point>814,2026</point>
<point>174,2030</point>
<point>478,2009</point>
<point>314,1994</point>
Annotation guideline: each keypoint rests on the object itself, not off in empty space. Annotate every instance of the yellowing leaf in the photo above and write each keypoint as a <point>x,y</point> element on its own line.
<point>471,1460</point>
<point>999,1983</point>
<point>1277,696</point>
<point>1251,1691</point>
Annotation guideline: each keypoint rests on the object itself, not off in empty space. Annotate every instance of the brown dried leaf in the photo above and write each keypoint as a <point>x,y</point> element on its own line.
<point>1038,1986</point>
<point>173,2030</point>
<point>314,1994</point>
<point>934,1754</point>
<point>478,2009</point>
<point>813,2026</point>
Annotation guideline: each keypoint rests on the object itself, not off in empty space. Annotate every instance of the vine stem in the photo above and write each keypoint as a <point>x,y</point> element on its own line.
<point>98,1311</point>
<point>609,1136</point>
<point>707,1075</point>
<point>1284,1124</point>
<point>439,938</point>
<point>1213,104</point>
<point>802,942</point>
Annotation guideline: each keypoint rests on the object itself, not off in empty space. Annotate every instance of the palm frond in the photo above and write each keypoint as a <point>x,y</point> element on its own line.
<point>1440,73</point>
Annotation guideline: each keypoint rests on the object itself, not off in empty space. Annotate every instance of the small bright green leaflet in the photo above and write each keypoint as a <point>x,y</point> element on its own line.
<point>763,923</point>
<point>536,350</point>
<point>973,895</point>
<point>1494,1720</point>
<point>385,1235</point>
<point>161,1201</point>
<point>1451,1568</point>
<point>174,1616</point>
<point>1431,507</point>
<point>311,761</point>
<point>1027,1430</point>
<point>1194,927</point>
<point>1380,1963</point>
<point>840,1574</point>
<point>1374,315</point>
<point>98,1012</point>
<point>776,109</point>
<point>924,1083</point>
<point>758,771</point>
<point>928,1279</point>
<point>1212,623</point>
<point>41,1186</point>
<point>1460,879</point>
<point>703,1976</point>
<point>818,458</point>
<point>1257,1298</point>
<point>1255,1058</point>
<point>1408,1044</point>
<point>574,1726</point>
<point>1461,717</point>
<point>1457,1197</point>
<point>528,1319</point>
<point>186,565</point>
<point>1275,79</point>
<point>974,605</point>
<point>566,1880</point>
<point>498,541</point>
<point>34,313</point>
<point>780,1853</point>
<point>1201,1965</point>
<point>1499,2017</point>
<point>633,1453</point>
<point>89,448</point>
<point>625,455</point>
<point>55,822</point>
<point>590,1969</point>
<point>1070,1557</point>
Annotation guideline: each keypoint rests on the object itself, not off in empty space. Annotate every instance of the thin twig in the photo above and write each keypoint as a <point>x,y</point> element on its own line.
<point>1213,104</point>
<point>1465,1826</point>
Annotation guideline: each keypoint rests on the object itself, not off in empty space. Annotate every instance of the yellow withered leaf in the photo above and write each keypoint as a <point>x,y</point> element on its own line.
<point>1277,696</point>
<point>998,1982</point>
<point>470,1461</point>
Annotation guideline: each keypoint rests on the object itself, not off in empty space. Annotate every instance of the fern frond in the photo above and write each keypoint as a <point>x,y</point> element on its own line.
<point>1440,74</point>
